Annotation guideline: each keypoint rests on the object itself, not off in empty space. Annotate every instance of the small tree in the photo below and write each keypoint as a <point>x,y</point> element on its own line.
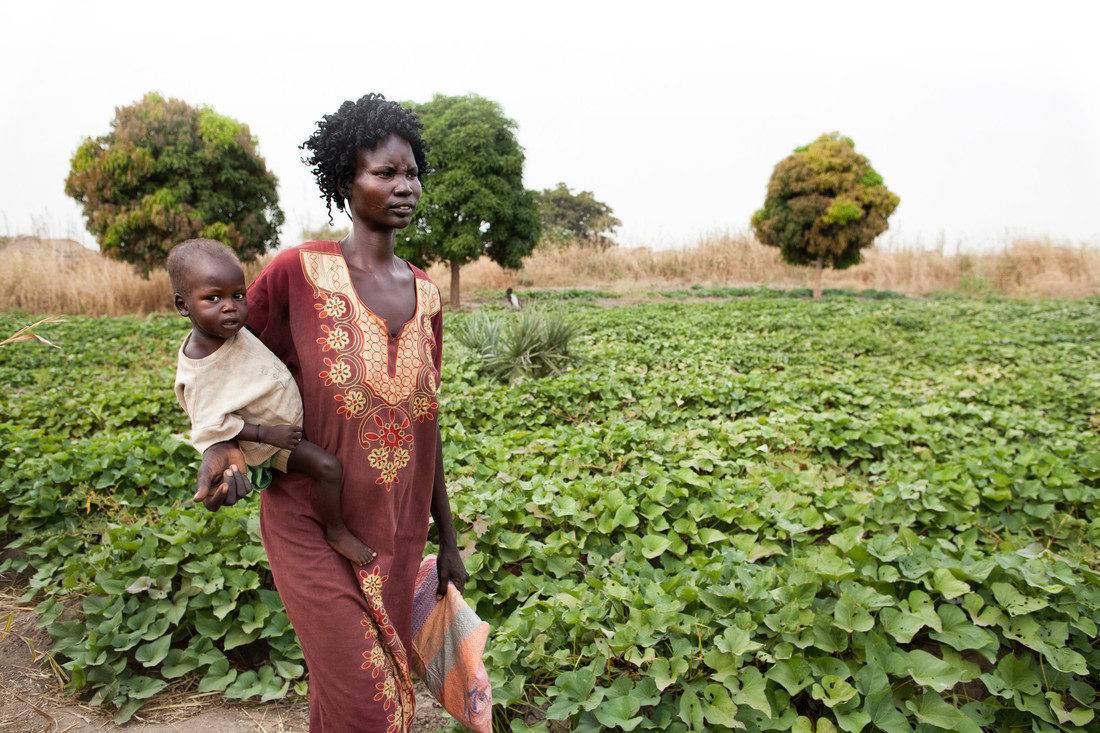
<point>825,204</point>
<point>474,203</point>
<point>568,216</point>
<point>168,171</point>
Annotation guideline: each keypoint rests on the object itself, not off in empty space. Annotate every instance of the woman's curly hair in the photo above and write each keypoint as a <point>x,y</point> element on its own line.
<point>358,125</point>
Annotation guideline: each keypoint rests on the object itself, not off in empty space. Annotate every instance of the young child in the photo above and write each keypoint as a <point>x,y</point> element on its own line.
<point>232,386</point>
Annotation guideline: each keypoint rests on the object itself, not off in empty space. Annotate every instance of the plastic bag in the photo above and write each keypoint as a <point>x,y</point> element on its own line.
<point>448,640</point>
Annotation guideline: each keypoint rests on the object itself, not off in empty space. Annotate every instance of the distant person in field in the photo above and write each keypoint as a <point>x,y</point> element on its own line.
<point>361,332</point>
<point>513,301</point>
<point>233,388</point>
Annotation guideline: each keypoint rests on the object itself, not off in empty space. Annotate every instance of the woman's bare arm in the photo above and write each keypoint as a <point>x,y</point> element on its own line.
<point>449,563</point>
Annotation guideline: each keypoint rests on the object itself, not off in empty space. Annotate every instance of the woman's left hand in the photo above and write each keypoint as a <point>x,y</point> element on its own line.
<point>449,566</point>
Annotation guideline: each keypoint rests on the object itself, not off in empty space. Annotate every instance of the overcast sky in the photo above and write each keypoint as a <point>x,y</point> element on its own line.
<point>983,117</point>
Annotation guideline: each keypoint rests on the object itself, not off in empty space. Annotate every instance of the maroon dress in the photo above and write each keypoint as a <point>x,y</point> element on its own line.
<point>370,400</point>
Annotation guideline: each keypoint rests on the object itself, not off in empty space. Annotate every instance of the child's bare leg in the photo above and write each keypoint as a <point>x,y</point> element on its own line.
<point>326,472</point>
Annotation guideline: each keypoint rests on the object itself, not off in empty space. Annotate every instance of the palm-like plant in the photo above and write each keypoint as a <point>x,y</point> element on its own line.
<point>531,343</point>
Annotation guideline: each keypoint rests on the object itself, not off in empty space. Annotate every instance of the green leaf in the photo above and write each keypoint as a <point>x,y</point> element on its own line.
<point>289,670</point>
<point>691,709</point>
<point>569,691</point>
<point>709,536</point>
<point>154,652</point>
<point>718,706</point>
<point>272,687</point>
<point>959,633</point>
<point>1066,660</point>
<point>850,616</point>
<point>751,692</point>
<point>140,687</point>
<point>832,690</point>
<point>177,663</point>
<point>1015,602</point>
<point>237,637</point>
<point>931,671</point>
<point>619,712</point>
<point>661,673</point>
<point>916,612</point>
<point>947,584</point>
<point>654,545</point>
<point>847,539</point>
<point>793,674</point>
<point>829,565</point>
<point>127,709</point>
<point>1077,716</point>
<point>218,677</point>
<point>934,710</point>
<point>246,685</point>
<point>724,664</point>
<point>625,517</point>
<point>884,714</point>
<point>735,640</point>
<point>1012,675</point>
<point>211,627</point>
<point>850,717</point>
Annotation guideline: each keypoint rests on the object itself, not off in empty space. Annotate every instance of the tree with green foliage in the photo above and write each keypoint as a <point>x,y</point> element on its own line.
<point>474,203</point>
<point>825,204</point>
<point>579,217</point>
<point>167,172</point>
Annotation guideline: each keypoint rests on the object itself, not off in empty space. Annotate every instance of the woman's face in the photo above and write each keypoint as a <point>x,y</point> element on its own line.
<point>386,187</point>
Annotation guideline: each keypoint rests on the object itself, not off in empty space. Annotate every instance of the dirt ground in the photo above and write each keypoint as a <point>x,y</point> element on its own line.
<point>31,698</point>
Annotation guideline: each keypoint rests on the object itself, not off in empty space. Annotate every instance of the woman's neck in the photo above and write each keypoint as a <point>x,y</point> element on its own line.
<point>367,249</point>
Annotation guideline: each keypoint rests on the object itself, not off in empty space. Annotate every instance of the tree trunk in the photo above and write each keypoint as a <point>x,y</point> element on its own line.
<point>818,267</point>
<point>454,283</point>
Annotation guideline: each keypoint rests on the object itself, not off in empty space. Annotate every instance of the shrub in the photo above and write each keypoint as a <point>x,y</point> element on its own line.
<point>531,343</point>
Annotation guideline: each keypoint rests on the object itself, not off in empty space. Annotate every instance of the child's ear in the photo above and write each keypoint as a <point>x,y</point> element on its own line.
<point>181,306</point>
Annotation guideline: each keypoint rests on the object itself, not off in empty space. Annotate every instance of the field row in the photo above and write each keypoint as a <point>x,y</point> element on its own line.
<point>767,513</point>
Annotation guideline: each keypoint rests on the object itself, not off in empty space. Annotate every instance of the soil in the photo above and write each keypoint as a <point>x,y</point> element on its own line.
<point>31,698</point>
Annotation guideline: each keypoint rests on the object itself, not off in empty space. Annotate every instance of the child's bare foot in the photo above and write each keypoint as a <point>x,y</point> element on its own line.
<point>348,545</point>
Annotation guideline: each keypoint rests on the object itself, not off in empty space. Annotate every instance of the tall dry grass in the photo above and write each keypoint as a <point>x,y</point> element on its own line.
<point>47,280</point>
<point>1023,268</point>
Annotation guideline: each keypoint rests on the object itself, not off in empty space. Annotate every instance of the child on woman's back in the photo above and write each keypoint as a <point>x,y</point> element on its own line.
<point>233,387</point>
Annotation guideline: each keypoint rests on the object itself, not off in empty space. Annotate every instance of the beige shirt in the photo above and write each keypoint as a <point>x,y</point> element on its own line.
<point>240,382</point>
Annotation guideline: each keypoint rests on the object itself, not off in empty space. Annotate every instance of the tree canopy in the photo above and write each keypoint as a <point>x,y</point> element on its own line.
<point>575,216</point>
<point>474,203</point>
<point>825,204</point>
<point>168,171</point>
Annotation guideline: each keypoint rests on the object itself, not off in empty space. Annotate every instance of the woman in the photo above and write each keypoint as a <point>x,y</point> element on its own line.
<point>360,331</point>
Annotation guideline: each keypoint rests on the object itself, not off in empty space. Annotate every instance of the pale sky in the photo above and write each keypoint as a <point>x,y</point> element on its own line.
<point>984,117</point>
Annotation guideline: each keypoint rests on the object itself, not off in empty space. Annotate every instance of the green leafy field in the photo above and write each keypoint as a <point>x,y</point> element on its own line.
<point>769,513</point>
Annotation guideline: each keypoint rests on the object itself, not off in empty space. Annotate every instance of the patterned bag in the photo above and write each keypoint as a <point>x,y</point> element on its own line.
<point>447,642</point>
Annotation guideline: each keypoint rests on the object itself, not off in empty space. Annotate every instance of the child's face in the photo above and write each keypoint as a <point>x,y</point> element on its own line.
<point>215,298</point>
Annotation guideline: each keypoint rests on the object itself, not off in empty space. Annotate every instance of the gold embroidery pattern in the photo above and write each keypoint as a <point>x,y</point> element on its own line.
<point>423,406</point>
<point>386,656</point>
<point>356,348</point>
<point>337,301</point>
<point>337,338</point>
<point>354,403</point>
<point>390,437</point>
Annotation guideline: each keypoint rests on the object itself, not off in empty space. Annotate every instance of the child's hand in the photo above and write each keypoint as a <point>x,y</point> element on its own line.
<point>282,436</point>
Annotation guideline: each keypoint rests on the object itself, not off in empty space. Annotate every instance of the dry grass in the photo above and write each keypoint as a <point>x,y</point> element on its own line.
<point>58,280</point>
<point>82,282</point>
<point>1023,268</point>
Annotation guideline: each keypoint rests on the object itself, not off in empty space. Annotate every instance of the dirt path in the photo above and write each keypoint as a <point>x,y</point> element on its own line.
<point>31,698</point>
